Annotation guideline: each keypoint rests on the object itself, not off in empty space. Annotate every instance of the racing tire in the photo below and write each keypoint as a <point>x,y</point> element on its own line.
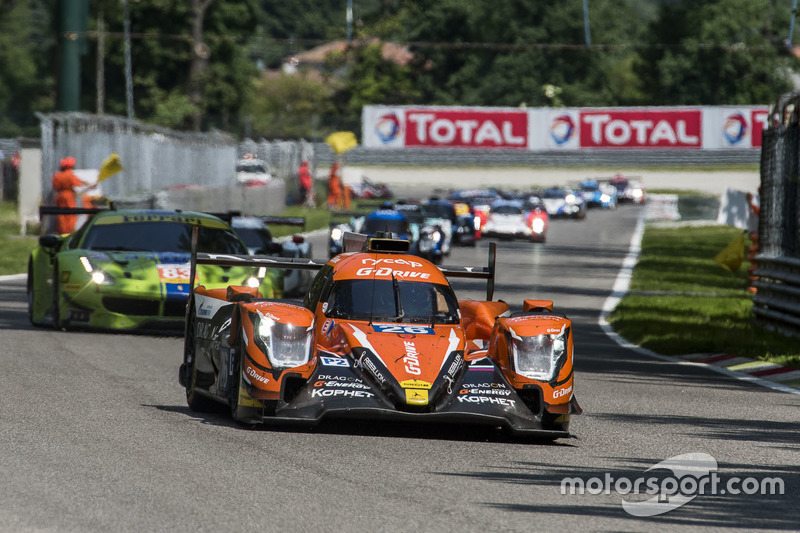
<point>247,415</point>
<point>194,399</point>
<point>30,295</point>
<point>549,422</point>
<point>57,322</point>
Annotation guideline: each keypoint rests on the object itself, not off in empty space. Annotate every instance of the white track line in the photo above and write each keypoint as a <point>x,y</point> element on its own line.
<point>621,288</point>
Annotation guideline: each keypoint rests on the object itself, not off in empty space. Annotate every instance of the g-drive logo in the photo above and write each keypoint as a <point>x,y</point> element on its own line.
<point>693,474</point>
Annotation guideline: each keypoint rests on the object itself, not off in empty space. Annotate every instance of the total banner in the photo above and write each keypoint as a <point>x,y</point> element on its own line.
<point>548,129</point>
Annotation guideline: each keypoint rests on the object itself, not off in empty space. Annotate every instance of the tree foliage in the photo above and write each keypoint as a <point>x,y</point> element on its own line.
<point>26,78</point>
<point>466,52</point>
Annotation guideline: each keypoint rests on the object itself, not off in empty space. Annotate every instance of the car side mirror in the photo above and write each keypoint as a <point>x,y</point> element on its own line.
<point>51,240</point>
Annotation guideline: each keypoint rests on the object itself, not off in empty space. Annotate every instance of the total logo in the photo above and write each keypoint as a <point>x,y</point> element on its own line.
<point>562,128</point>
<point>388,127</point>
<point>735,128</point>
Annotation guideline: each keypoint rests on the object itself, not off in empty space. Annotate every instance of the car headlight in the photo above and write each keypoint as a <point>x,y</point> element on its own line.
<point>476,222</point>
<point>426,243</point>
<point>570,198</point>
<point>605,198</point>
<point>285,345</point>
<point>97,276</point>
<point>537,226</point>
<point>537,357</point>
<point>336,234</point>
<point>257,279</point>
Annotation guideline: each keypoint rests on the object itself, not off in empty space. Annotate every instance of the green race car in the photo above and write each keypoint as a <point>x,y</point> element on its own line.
<point>129,270</point>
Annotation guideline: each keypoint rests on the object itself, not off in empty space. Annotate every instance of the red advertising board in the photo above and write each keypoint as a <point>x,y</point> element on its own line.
<point>466,128</point>
<point>759,120</point>
<point>645,128</point>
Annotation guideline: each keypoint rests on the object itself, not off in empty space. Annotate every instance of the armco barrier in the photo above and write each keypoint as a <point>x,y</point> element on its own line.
<point>777,300</point>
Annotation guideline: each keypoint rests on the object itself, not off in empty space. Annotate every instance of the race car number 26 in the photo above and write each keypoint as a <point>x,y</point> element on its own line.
<point>393,328</point>
<point>174,273</point>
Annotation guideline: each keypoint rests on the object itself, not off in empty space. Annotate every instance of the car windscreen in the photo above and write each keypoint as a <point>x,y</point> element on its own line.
<point>440,211</point>
<point>161,237</point>
<point>413,216</point>
<point>506,210</point>
<point>554,193</point>
<point>254,237</point>
<point>377,299</point>
<point>252,169</point>
<point>396,226</point>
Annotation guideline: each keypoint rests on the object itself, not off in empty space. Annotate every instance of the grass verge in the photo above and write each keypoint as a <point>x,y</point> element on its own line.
<point>14,248</point>
<point>681,301</point>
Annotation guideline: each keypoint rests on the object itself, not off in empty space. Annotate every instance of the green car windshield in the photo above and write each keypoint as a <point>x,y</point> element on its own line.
<point>160,237</point>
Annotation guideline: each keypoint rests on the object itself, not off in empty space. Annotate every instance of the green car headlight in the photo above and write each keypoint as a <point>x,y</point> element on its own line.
<point>97,276</point>
<point>256,279</point>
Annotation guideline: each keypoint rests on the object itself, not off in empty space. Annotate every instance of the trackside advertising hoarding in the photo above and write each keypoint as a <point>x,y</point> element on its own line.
<point>548,129</point>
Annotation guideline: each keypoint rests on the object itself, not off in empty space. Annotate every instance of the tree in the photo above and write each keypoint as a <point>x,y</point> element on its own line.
<point>715,52</point>
<point>371,79</point>
<point>27,65</point>
<point>505,53</point>
<point>288,107</point>
<point>190,70</point>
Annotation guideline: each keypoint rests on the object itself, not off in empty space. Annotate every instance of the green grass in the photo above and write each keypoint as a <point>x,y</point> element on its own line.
<point>14,249</point>
<point>681,301</point>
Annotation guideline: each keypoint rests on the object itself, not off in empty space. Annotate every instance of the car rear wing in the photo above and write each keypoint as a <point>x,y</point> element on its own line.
<point>52,210</point>
<point>272,220</point>
<point>487,272</point>
<point>349,214</point>
<point>256,261</point>
<point>356,242</point>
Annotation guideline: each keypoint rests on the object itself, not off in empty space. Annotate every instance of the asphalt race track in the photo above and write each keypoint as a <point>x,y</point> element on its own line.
<point>96,435</point>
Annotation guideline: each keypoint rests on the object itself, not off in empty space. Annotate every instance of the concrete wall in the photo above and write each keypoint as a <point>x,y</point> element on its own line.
<point>30,186</point>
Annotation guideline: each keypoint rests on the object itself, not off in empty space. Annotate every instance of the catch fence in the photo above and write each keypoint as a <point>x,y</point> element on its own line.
<point>777,300</point>
<point>155,158</point>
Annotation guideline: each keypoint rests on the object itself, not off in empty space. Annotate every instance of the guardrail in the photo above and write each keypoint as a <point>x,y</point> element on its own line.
<point>776,303</point>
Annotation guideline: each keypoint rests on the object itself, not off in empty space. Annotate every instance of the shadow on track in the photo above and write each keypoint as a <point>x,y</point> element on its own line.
<point>373,428</point>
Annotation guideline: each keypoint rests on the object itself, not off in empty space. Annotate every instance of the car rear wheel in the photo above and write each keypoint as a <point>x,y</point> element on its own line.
<point>240,413</point>
<point>58,323</point>
<point>194,399</point>
<point>555,422</point>
<point>242,405</point>
<point>30,286</point>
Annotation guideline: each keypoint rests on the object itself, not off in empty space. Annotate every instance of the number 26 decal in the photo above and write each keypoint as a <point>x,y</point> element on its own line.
<point>415,330</point>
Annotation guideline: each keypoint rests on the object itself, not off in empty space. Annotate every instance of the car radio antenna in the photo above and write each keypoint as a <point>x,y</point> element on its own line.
<point>372,299</point>
<point>192,274</point>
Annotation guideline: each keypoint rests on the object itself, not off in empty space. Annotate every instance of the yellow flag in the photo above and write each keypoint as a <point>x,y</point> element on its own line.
<point>109,167</point>
<point>731,257</point>
<point>342,141</point>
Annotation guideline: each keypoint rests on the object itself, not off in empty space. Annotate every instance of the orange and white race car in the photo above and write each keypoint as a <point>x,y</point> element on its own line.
<point>381,335</point>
